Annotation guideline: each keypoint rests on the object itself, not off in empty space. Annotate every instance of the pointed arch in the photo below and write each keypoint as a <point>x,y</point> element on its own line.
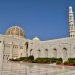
<point>31,52</point>
<point>26,45</point>
<point>54,52</point>
<point>65,53</point>
<point>39,52</point>
<point>46,52</point>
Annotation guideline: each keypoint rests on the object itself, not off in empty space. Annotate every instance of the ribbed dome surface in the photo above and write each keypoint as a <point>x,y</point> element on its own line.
<point>15,30</point>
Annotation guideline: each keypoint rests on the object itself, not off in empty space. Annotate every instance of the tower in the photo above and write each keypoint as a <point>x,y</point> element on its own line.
<point>71,23</point>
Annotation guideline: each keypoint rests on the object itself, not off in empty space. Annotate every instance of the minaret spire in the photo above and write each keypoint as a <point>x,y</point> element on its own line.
<point>71,22</point>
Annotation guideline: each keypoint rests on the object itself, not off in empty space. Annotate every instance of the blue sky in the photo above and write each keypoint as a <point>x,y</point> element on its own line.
<point>46,19</point>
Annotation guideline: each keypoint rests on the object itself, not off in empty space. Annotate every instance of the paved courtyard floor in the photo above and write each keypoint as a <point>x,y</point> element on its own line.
<point>10,68</point>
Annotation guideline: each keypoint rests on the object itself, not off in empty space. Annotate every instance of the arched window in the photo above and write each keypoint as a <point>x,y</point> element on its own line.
<point>55,52</point>
<point>31,52</point>
<point>64,52</point>
<point>46,52</point>
<point>39,53</point>
<point>0,41</point>
<point>21,55</point>
<point>26,44</point>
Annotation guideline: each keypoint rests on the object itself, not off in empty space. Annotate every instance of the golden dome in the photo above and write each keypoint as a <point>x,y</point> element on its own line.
<point>16,31</point>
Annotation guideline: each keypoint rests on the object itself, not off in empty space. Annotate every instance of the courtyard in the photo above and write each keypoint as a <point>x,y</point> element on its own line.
<point>15,68</point>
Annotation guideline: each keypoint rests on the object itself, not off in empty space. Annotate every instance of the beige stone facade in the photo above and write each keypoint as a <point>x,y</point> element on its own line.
<point>14,44</point>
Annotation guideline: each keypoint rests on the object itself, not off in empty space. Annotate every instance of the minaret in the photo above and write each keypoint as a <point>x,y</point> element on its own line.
<point>71,23</point>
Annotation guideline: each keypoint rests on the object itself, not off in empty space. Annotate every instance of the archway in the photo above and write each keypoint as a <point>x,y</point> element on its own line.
<point>26,44</point>
<point>39,53</point>
<point>64,53</point>
<point>31,52</point>
<point>55,52</point>
<point>46,52</point>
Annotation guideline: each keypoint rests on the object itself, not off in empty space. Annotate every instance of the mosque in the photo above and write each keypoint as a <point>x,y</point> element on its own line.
<point>14,44</point>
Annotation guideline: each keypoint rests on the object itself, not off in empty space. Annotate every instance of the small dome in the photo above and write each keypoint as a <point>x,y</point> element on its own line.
<point>15,30</point>
<point>36,39</point>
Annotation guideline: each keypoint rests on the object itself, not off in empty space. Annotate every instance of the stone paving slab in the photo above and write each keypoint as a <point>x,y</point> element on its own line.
<point>10,68</point>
